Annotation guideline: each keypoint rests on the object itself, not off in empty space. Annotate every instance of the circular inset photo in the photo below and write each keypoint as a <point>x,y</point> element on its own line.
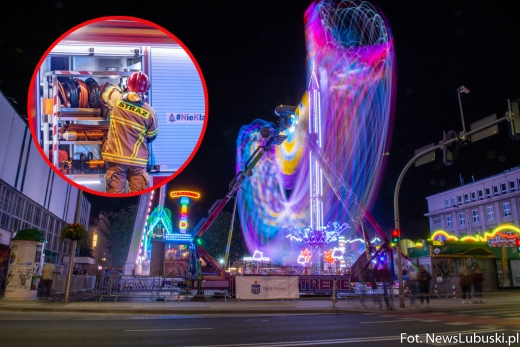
<point>118,106</point>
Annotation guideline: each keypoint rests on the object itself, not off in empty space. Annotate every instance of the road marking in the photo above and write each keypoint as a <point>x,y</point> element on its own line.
<point>350,340</point>
<point>428,320</point>
<point>488,310</point>
<point>389,321</point>
<point>187,329</point>
<point>485,316</point>
<point>457,323</point>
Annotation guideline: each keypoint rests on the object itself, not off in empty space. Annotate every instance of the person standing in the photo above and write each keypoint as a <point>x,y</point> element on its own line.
<point>424,279</point>
<point>478,281</point>
<point>465,282</point>
<point>133,125</point>
<point>46,279</point>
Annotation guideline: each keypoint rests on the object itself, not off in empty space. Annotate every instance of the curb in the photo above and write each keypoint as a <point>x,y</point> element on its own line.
<point>182,311</point>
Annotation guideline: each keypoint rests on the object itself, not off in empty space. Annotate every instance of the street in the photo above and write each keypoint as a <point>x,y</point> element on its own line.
<point>374,328</point>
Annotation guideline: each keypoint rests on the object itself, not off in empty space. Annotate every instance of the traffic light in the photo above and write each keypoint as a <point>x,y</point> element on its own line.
<point>396,236</point>
<point>450,151</point>
<point>514,124</point>
<point>518,245</point>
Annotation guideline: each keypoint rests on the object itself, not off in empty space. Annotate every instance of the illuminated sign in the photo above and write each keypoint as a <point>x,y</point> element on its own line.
<point>177,237</point>
<point>186,193</point>
<point>94,240</point>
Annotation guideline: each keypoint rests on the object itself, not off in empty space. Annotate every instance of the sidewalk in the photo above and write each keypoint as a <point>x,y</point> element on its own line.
<point>232,306</point>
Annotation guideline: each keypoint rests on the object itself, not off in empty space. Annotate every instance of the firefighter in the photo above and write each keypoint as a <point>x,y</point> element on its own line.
<point>133,124</point>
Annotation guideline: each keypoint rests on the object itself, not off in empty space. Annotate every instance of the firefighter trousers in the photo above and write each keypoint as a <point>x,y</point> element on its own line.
<point>117,176</point>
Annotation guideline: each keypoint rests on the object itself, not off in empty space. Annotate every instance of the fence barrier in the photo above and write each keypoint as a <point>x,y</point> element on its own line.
<point>116,287</point>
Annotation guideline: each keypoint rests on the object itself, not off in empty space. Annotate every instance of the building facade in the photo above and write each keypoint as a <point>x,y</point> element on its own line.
<point>477,207</point>
<point>99,228</point>
<point>32,195</point>
<point>476,225</point>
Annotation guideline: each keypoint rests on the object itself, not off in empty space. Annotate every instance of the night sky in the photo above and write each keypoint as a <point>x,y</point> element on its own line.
<point>252,55</point>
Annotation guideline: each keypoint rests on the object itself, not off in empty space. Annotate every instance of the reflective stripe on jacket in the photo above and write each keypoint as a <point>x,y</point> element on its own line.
<point>132,126</point>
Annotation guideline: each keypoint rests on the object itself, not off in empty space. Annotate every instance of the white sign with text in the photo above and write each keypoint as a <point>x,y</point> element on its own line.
<point>267,287</point>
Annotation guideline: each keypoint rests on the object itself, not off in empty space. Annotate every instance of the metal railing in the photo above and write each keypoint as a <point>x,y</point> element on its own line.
<point>80,286</point>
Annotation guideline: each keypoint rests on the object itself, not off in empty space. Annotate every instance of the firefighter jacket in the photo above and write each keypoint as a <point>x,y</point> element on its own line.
<point>133,124</point>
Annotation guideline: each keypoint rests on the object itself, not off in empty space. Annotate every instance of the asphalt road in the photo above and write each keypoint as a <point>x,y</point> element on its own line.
<point>379,328</point>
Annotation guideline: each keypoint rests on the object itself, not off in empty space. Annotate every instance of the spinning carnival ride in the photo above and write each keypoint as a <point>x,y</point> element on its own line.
<point>320,167</point>
<point>322,180</point>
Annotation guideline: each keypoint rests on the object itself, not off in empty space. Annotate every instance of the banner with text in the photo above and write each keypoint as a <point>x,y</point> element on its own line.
<point>267,287</point>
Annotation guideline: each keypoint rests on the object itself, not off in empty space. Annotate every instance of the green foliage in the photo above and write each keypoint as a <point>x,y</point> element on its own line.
<point>121,227</point>
<point>75,231</point>
<point>215,238</point>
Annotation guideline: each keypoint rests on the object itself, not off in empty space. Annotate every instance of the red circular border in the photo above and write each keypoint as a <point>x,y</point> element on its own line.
<point>33,131</point>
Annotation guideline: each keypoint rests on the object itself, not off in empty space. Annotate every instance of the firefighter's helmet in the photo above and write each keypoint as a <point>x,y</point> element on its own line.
<point>138,82</point>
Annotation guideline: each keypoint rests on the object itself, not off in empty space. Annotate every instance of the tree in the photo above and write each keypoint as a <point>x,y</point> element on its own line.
<point>215,238</point>
<point>121,228</point>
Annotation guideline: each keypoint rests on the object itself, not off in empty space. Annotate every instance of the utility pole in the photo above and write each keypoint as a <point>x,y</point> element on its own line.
<point>462,136</point>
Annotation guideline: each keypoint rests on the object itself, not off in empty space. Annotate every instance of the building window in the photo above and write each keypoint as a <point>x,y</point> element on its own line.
<point>448,221</point>
<point>459,199</point>
<point>447,203</point>
<point>462,235</point>
<point>507,209</point>
<point>475,216</point>
<point>488,192</point>
<point>504,188</point>
<point>473,196</point>
<point>466,198</point>
<point>512,187</point>
<point>495,190</point>
<point>453,202</point>
<point>437,222</point>
<point>462,219</point>
<point>480,194</point>
<point>490,213</point>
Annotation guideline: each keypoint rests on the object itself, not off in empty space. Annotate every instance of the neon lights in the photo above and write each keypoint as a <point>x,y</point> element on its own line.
<point>327,256</point>
<point>443,236</point>
<point>177,237</point>
<point>257,256</point>
<point>94,240</point>
<point>304,257</point>
<point>186,193</point>
<point>337,253</point>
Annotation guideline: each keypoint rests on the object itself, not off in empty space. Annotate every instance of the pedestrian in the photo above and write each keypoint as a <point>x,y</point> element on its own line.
<point>465,282</point>
<point>387,287</point>
<point>47,277</point>
<point>424,279</point>
<point>478,280</point>
<point>374,277</point>
<point>363,280</point>
<point>413,286</point>
<point>133,125</point>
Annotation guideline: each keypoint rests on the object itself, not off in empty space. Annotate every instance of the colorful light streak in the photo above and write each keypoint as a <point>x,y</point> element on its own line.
<point>344,117</point>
